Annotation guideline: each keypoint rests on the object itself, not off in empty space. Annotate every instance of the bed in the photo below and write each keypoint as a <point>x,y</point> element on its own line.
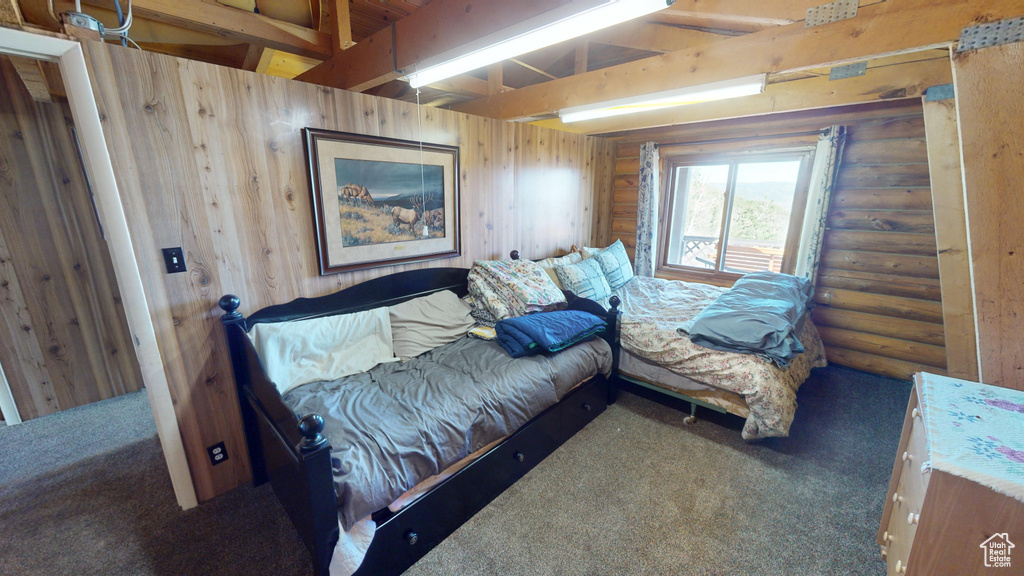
<point>289,439</point>
<point>655,356</point>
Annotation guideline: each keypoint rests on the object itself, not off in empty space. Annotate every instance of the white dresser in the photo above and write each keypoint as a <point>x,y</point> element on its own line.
<point>956,496</point>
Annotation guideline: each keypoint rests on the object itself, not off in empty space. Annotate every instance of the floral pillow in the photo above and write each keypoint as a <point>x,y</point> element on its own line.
<point>585,279</point>
<point>615,264</point>
<point>510,288</point>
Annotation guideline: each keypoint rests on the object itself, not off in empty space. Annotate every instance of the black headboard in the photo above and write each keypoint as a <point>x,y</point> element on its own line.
<point>383,291</point>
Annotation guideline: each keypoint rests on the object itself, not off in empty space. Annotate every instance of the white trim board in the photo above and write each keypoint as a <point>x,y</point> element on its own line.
<point>8,408</point>
<point>96,158</point>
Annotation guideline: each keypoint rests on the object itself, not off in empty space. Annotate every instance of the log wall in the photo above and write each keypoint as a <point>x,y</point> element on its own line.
<point>878,302</point>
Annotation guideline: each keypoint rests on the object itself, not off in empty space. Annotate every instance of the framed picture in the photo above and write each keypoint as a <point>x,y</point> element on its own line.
<point>381,201</point>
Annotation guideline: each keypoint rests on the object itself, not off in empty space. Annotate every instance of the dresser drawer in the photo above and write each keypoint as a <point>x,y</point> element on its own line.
<point>900,533</point>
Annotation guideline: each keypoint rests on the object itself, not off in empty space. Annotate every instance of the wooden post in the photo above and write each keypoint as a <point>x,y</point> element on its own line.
<point>582,54</point>
<point>989,83</point>
<point>495,78</point>
<point>951,238</point>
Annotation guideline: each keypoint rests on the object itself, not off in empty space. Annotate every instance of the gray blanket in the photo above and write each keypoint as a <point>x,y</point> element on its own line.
<point>400,423</point>
<point>761,314</point>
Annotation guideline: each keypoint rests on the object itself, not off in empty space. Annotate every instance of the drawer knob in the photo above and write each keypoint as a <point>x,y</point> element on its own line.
<point>586,406</point>
<point>915,413</point>
<point>896,498</point>
<point>900,567</point>
<point>908,457</point>
<point>886,537</point>
<point>412,538</point>
<point>913,518</point>
<point>519,456</point>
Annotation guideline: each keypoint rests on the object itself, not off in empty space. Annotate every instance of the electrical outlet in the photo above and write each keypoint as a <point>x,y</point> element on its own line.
<point>174,259</point>
<point>218,453</point>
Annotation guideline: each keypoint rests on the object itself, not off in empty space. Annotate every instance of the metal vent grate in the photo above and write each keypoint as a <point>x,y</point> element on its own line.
<point>848,71</point>
<point>984,35</point>
<point>831,12</point>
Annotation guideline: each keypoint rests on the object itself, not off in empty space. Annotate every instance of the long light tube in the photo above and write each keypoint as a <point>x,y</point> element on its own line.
<point>570,21</point>
<point>746,86</point>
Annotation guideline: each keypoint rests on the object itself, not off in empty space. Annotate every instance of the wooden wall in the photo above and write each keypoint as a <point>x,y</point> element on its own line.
<point>211,159</point>
<point>988,87</point>
<point>878,301</point>
<point>64,340</point>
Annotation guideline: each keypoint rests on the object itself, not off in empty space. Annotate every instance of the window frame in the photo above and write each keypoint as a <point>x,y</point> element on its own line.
<point>670,165</point>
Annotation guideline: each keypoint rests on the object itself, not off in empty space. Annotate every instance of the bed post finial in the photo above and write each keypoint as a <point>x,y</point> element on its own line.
<point>310,426</point>
<point>229,303</point>
<point>614,301</point>
<point>514,254</point>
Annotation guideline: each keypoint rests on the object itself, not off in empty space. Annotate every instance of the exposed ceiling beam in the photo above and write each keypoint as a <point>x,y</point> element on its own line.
<point>495,78</point>
<point>434,29</point>
<point>466,85</point>
<point>253,56</point>
<point>893,27</point>
<point>882,82</point>
<point>341,24</point>
<point>740,15</point>
<point>231,23</point>
<point>10,13</point>
<point>31,73</point>
<point>653,37</point>
<point>582,52</point>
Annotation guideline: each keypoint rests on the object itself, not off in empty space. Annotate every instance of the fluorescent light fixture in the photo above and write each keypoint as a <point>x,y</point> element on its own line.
<point>746,86</point>
<point>558,25</point>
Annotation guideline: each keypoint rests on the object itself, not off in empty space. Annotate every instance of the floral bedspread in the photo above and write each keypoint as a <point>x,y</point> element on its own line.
<point>652,309</point>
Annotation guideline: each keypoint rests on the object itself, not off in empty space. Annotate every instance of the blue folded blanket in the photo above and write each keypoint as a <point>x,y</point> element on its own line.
<point>546,331</point>
<point>761,314</point>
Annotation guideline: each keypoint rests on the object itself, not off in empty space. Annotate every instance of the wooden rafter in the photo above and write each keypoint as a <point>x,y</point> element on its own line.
<point>882,82</point>
<point>341,24</point>
<point>238,25</point>
<point>433,29</point>
<point>582,53</point>
<point>739,15</point>
<point>10,13</point>
<point>653,37</point>
<point>31,73</point>
<point>888,28</point>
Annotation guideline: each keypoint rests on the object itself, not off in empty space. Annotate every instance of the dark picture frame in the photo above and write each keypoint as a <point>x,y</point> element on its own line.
<point>381,201</point>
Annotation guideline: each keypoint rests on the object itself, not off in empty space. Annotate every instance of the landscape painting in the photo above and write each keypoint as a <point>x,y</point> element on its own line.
<point>381,201</point>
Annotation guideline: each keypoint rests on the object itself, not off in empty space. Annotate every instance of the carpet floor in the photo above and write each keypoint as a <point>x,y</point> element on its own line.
<point>636,492</point>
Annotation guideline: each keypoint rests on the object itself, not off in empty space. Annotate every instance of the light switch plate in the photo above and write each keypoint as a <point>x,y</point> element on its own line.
<point>174,259</point>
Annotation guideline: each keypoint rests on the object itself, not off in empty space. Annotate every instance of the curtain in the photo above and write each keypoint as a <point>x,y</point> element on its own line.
<point>827,158</point>
<point>647,212</point>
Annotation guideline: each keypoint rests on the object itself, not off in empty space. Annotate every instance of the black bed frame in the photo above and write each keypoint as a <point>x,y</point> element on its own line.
<point>290,452</point>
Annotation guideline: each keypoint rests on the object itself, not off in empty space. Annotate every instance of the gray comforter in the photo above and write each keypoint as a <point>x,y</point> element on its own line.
<point>400,423</point>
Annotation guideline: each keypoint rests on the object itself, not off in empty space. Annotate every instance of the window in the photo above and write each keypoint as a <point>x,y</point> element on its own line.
<point>731,215</point>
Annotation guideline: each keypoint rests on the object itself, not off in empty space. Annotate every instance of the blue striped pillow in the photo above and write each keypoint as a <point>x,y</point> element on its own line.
<point>585,279</point>
<point>615,264</point>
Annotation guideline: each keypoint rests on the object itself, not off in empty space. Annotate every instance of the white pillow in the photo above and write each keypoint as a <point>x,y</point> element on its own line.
<point>589,252</point>
<point>427,322</point>
<point>548,264</point>
<point>323,349</point>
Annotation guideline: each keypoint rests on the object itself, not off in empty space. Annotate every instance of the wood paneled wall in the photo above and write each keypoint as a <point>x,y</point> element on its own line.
<point>879,306</point>
<point>988,88</point>
<point>64,340</point>
<point>211,159</point>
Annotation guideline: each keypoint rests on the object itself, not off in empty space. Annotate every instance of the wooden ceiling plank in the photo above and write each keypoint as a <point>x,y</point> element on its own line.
<point>434,29</point>
<point>882,83</point>
<point>879,30</point>
<point>231,23</point>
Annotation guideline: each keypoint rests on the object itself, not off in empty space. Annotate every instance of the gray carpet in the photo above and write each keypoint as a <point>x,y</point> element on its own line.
<point>636,492</point>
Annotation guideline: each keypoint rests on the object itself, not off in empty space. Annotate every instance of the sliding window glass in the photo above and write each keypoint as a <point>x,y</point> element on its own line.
<point>728,216</point>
